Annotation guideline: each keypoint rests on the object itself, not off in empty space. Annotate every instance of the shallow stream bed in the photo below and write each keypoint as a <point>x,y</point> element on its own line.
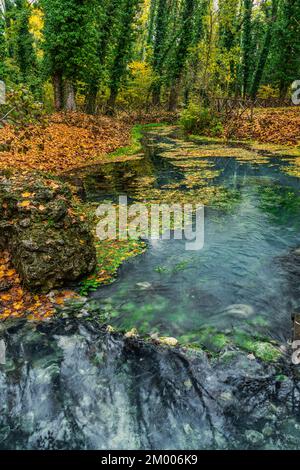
<point>70,384</point>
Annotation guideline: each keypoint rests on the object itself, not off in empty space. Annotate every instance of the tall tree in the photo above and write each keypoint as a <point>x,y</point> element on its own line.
<point>286,56</point>
<point>107,14</point>
<point>160,28</point>
<point>123,48</point>
<point>271,12</point>
<point>70,46</point>
<point>24,50</point>
<point>246,45</point>
<point>181,51</point>
<point>3,48</point>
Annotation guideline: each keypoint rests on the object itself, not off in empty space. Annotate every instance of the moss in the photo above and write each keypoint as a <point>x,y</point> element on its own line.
<point>262,349</point>
<point>258,321</point>
<point>136,137</point>
<point>220,341</point>
<point>217,342</point>
<point>110,254</point>
<point>266,351</point>
<point>208,338</point>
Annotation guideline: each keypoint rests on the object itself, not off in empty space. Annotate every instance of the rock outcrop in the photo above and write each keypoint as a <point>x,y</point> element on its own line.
<point>49,240</point>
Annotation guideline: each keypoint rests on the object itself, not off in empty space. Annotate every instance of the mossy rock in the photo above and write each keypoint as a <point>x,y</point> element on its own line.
<point>49,240</point>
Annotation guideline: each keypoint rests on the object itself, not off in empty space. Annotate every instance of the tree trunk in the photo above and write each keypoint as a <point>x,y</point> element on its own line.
<point>111,104</point>
<point>173,98</point>
<point>69,95</point>
<point>58,91</point>
<point>156,94</point>
<point>91,99</point>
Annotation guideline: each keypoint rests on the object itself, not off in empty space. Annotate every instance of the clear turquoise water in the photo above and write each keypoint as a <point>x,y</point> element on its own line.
<point>238,279</point>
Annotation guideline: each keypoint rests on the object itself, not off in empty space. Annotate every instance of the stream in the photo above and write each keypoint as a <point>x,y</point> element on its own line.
<point>69,384</point>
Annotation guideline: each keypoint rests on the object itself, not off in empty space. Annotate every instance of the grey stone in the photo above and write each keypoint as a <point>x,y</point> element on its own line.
<point>254,438</point>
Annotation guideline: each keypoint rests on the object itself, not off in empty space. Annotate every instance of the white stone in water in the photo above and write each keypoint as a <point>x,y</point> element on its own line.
<point>240,310</point>
<point>144,285</point>
<point>2,352</point>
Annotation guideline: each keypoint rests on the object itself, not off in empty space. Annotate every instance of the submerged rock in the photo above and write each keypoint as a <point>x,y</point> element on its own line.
<point>254,438</point>
<point>239,310</point>
<point>144,285</point>
<point>49,241</point>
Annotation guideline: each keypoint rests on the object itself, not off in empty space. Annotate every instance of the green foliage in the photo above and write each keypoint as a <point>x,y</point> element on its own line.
<point>70,39</point>
<point>134,53</point>
<point>285,60</point>
<point>200,120</point>
<point>122,51</point>
<point>22,107</point>
<point>3,49</point>
<point>216,342</point>
<point>262,349</point>
<point>25,53</point>
<point>135,92</point>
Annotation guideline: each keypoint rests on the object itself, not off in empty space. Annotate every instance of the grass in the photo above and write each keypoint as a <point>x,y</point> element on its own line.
<point>136,137</point>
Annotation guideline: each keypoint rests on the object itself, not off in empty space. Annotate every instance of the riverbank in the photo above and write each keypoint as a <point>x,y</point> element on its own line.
<point>279,126</point>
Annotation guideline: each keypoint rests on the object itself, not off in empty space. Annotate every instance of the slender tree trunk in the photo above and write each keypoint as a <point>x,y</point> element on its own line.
<point>69,95</point>
<point>156,94</point>
<point>58,91</point>
<point>173,98</point>
<point>91,99</point>
<point>111,104</point>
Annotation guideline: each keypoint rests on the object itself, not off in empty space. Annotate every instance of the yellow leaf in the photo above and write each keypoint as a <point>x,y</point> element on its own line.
<point>18,306</point>
<point>24,204</point>
<point>5,297</point>
<point>10,273</point>
<point>26,194</point>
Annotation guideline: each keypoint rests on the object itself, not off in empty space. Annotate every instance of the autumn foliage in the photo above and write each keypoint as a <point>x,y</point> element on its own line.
<point>64,142</point>
<point>17,302</point>
<point>278,126</point>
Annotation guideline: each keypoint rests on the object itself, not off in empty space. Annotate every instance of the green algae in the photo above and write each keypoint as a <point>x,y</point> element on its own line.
<point>222,343</point>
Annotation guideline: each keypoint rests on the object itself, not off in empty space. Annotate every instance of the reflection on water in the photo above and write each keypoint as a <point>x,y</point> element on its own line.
<point>69,385</point>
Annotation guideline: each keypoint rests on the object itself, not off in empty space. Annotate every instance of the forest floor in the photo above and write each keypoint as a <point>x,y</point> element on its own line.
<point>64,142</point>
<point>67,141</point>
<point>271,125</point>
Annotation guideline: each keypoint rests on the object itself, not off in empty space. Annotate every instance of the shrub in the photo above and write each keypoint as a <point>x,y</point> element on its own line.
<point>200,120</point>
<point>21,107</point>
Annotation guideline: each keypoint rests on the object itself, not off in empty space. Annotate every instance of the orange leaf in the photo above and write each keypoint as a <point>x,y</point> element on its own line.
<point>10,273</point>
